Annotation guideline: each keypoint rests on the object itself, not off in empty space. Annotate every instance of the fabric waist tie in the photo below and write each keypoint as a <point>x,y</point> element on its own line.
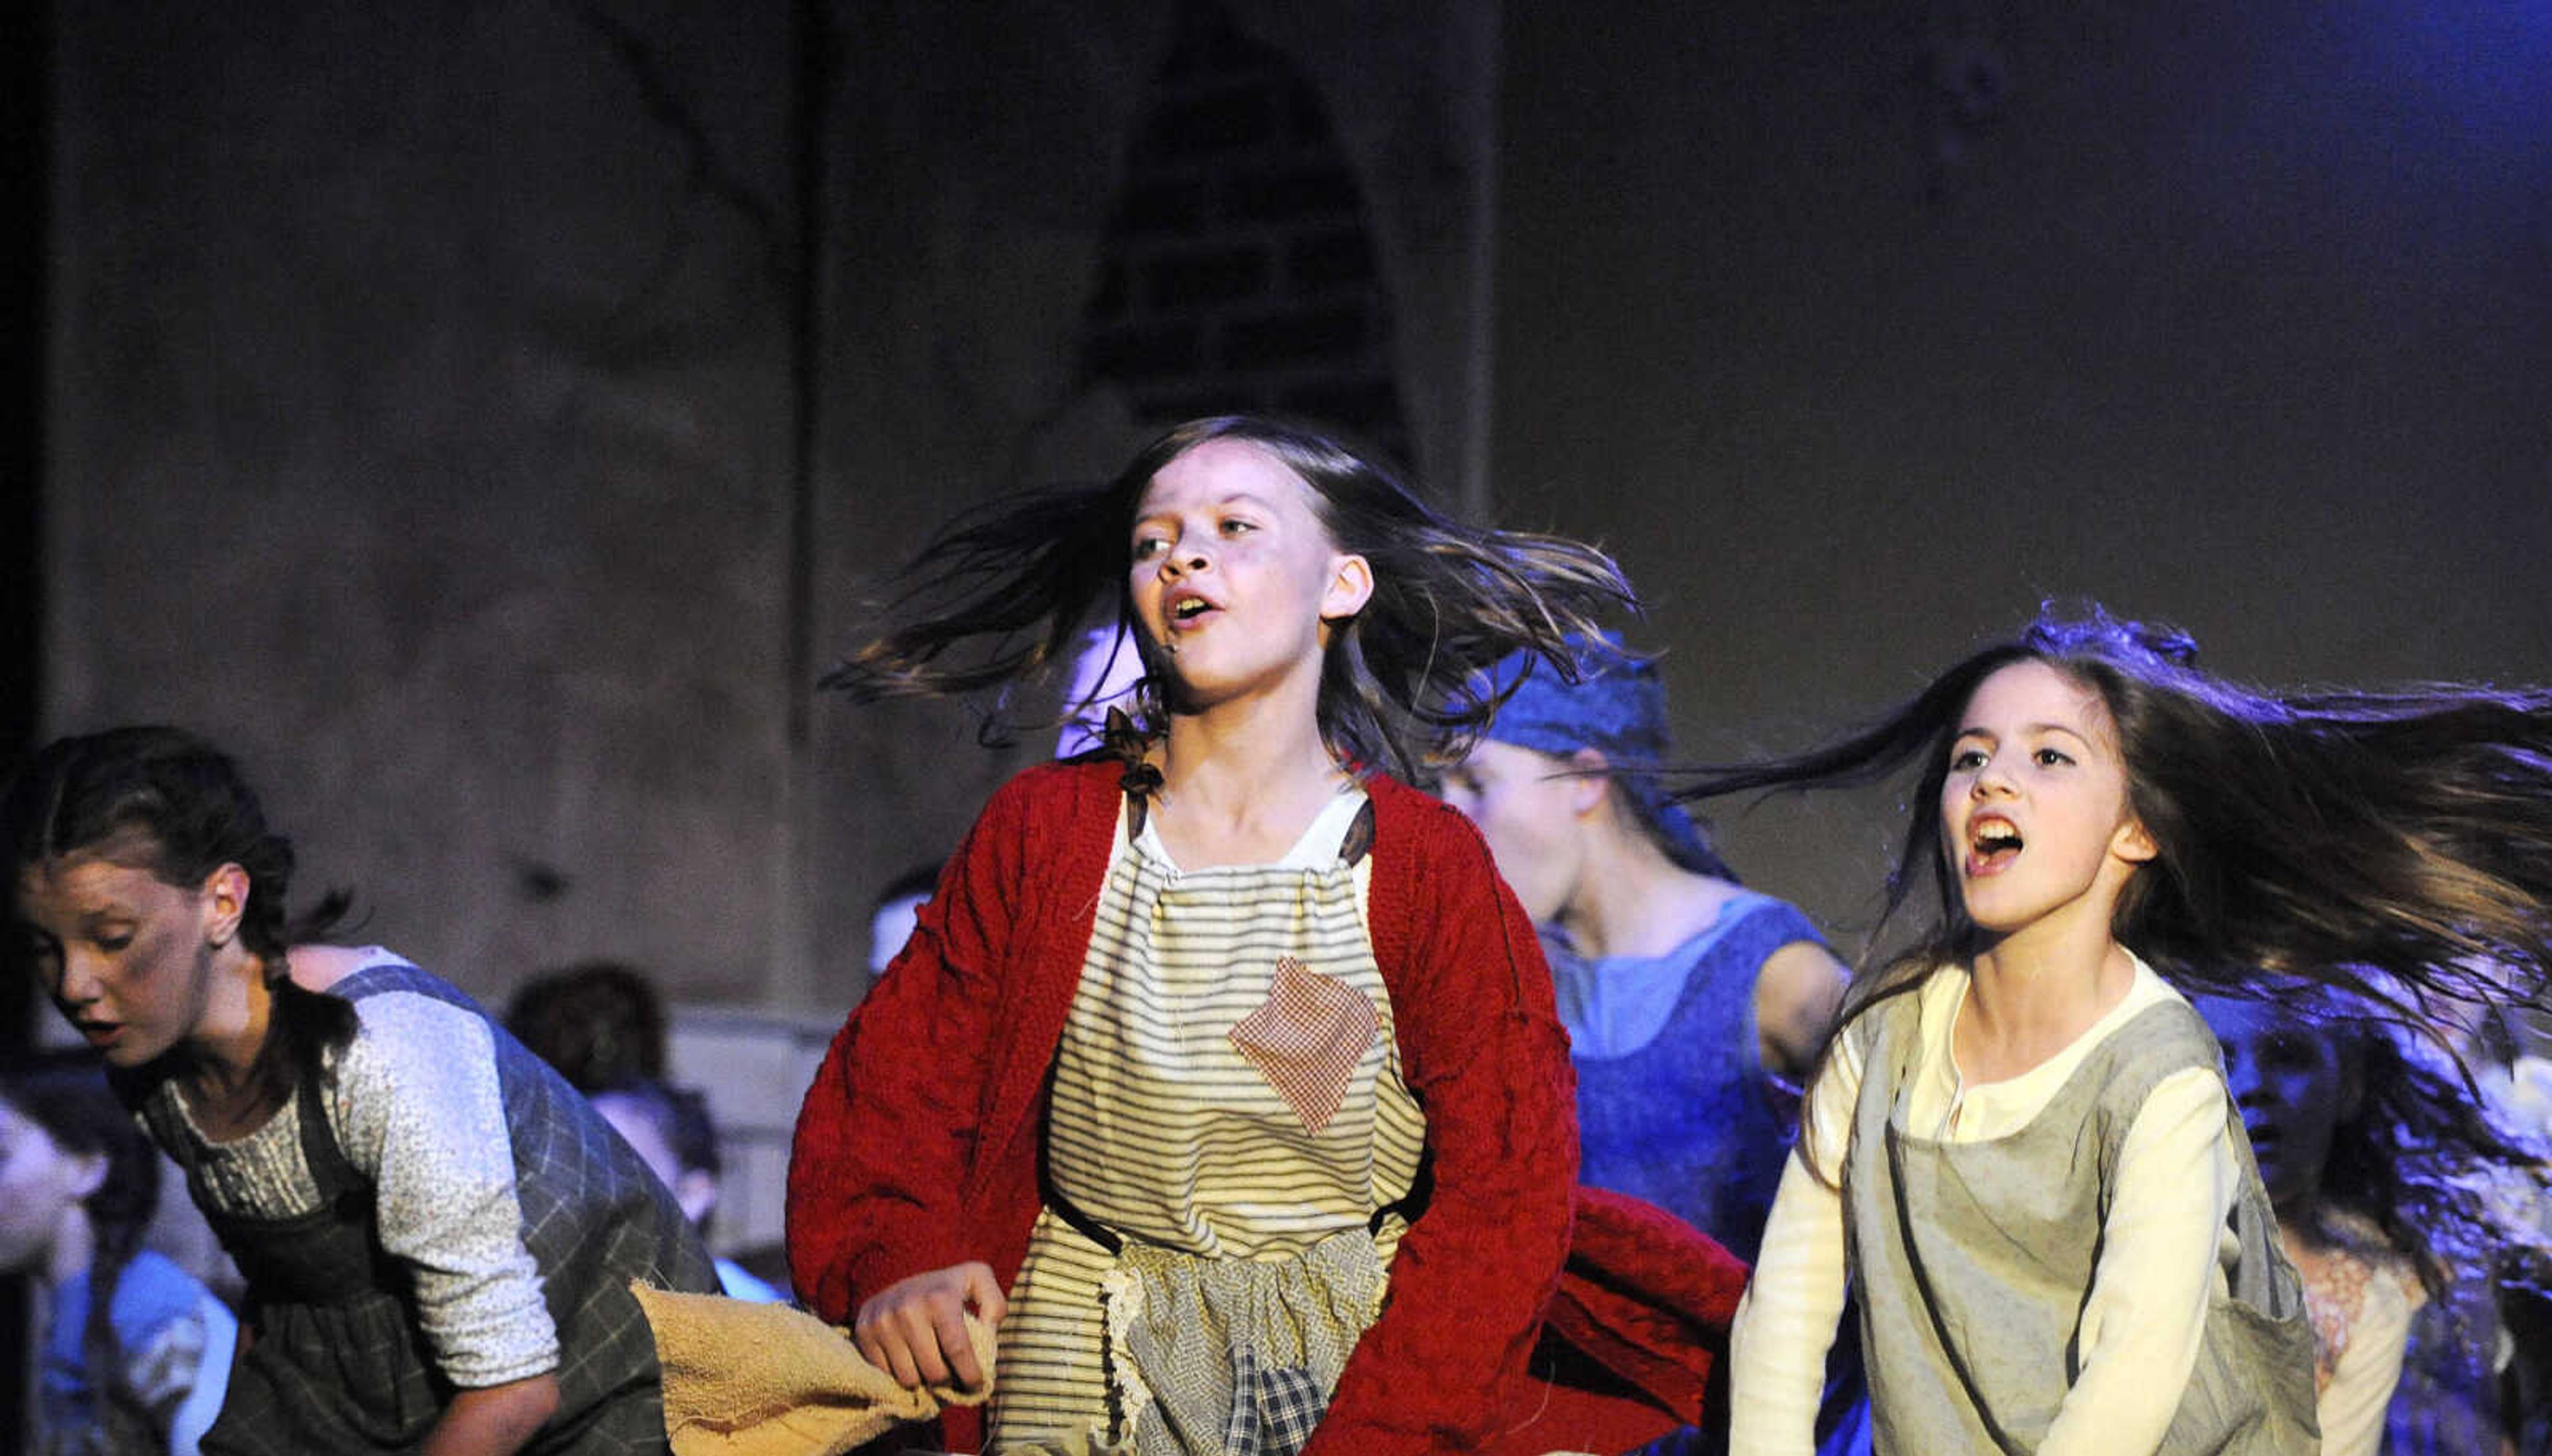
<point>1407,1205</point>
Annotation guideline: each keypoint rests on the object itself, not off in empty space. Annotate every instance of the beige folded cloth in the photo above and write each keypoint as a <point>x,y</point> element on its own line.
<point>744,1379</point>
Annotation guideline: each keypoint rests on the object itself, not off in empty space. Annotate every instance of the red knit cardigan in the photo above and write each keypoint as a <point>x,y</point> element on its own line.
<point>917,1145</point>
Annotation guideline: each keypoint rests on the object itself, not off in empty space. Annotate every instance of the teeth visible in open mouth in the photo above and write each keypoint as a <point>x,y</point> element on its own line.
<point>1193,606</point>
<point>1990,838</point>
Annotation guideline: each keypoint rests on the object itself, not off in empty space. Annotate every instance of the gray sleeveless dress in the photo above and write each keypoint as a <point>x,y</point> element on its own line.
<point>1974,1261</point>
<point>339,1364</point>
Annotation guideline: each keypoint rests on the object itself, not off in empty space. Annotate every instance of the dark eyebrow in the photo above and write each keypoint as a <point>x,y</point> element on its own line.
<point>2027,728</point>
<point>1243,498</point>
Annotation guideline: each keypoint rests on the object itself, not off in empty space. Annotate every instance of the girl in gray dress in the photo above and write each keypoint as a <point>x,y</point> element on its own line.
<point>437,1234</point>
<point>2018,1145</point>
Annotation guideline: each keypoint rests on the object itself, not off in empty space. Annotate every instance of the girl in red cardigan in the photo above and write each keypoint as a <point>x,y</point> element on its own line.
<point>1221,1076</point>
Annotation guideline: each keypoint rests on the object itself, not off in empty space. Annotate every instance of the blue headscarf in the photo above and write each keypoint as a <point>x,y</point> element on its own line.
<point>1617,707</point>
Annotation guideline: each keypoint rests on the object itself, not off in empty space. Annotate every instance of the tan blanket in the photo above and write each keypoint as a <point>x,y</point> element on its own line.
<point>743,1379</point>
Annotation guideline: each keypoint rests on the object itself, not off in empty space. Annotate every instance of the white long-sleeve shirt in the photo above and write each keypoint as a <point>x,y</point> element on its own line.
<point>2165,1245</point>
<point>416,1108</point>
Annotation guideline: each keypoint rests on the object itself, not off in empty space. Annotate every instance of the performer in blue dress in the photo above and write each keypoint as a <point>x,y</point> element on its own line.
<point>1694,1005</point>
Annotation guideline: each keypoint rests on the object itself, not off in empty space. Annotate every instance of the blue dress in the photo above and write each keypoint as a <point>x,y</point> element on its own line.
<point>1689,1119</point>
<point>1681,1110</point>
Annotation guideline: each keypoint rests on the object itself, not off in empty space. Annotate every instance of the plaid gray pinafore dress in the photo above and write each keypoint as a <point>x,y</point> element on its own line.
<point>340,1364</point>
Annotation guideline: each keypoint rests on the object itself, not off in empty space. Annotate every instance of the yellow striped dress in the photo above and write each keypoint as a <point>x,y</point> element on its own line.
<point>1229,1111</point>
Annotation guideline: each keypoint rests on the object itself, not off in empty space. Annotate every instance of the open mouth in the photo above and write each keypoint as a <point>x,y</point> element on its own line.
<point>1187,609</point>
<point>2264,1146</point>
<point>1992,845</point>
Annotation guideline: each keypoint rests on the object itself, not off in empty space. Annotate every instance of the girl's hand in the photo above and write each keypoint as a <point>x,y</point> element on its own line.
<point>914,1329</point>
<point>493,1420</point>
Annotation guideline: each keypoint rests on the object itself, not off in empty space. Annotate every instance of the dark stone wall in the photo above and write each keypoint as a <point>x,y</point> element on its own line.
<point>491,417</point>
<point>420,430</point>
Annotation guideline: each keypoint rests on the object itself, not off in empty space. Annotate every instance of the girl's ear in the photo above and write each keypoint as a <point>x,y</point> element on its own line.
<point>225,896</point>
<point>1350,587</point>
<point>2132,843</point>
<point>1591,786</point>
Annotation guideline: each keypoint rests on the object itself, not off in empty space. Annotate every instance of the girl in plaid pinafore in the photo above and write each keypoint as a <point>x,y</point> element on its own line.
<point>438,1234</point>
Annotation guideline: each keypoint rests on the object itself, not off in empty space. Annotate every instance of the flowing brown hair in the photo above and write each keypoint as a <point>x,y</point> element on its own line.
<point>2394,845</point>
<point>1006,590</point>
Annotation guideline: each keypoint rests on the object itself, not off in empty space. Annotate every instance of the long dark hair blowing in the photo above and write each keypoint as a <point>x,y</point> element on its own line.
<point>1007,590</point>
<point>2427,1162</point>
<point>2395,845</point>
<point>67,1094</point>
<point>164,801</point>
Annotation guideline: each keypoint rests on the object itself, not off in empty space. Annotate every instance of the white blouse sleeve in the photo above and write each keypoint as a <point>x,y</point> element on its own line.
<point>418,1108</point>
<point>2157,1271</point>
<point>1786,1322</point>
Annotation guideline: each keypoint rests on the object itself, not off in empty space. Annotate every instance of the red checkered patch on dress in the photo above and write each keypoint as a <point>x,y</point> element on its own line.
<point>1306,1039</point>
